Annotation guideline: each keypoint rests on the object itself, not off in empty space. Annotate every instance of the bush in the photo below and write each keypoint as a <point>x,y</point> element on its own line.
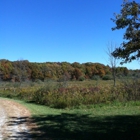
<point>107,77</point>
<point>82,78</point>
<point>96,77</point>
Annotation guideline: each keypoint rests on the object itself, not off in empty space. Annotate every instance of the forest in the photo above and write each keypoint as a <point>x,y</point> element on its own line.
<point>23,70</point>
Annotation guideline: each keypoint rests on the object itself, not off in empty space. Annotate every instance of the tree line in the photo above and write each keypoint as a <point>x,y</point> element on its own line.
<point>23,70</point>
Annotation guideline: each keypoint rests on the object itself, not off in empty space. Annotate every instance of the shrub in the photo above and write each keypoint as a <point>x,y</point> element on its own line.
<point>81,78</point>
<point>107,77</point>
<point>95,77</point>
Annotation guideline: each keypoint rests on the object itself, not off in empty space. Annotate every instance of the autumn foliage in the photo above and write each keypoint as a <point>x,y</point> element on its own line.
<point>23,70</point>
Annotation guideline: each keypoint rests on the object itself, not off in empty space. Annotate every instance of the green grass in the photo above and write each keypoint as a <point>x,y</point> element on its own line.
<point>114,121</point>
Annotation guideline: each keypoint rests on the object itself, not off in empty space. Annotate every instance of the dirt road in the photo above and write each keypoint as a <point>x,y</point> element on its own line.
<point>14,121</point>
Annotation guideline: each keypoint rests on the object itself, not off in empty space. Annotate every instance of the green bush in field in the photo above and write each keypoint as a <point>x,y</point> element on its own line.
<point>81,78</point>
<point>96,77</point>
<point>107,77</point>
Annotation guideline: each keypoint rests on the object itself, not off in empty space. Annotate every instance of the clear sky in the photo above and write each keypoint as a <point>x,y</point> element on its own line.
<point>58,30</point>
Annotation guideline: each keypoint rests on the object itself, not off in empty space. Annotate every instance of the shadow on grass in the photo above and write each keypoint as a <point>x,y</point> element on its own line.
<point>83,127</point>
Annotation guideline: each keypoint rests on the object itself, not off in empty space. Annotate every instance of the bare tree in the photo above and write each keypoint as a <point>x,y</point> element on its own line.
<point>112,60</point>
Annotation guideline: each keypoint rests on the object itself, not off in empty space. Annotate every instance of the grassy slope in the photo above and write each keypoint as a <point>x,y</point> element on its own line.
<point>115,121</point>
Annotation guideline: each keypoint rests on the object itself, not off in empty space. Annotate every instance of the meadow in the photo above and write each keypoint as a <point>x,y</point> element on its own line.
<point>79,110</point>
<point>69,94</point>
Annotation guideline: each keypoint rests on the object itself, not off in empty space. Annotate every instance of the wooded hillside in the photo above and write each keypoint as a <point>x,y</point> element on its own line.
<point>23,70</point>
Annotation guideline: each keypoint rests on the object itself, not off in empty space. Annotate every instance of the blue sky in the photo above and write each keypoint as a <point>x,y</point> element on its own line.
<point>58,30</point>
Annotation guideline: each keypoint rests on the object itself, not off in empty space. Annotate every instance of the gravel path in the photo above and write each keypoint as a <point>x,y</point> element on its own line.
<point>14,121</point>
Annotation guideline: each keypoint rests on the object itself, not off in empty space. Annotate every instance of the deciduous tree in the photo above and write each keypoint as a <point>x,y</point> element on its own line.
<point>128,19</point>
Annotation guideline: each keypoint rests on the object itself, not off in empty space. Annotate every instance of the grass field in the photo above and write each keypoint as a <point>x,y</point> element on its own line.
<point>90,110</point>
<point>116,121</point>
